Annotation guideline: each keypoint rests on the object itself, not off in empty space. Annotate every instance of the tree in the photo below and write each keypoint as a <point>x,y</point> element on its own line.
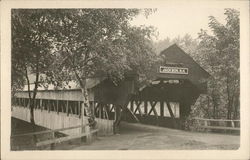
<point>92,41</point>
<point>220,52</point>
<point>30,52</point>
<point>187,43</point>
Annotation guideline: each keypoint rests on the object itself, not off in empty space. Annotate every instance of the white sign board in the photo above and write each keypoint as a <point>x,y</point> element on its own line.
<point>173,70</point>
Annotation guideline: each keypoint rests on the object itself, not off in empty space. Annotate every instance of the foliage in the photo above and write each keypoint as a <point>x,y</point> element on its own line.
<point>30,52</point>
<point>98,42</point>
<point>221,55</point>
<point>217,53</point>
<point>30,44</point>
<point>187,43</point>
<point>88,40</point>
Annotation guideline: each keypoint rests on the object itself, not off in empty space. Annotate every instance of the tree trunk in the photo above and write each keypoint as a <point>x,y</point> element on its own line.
<point>117,119</point>
<point>32,99</point>
<point>236,106</point>
<point>88,109</point>
<point>86,104</point>
<point>228,101</point>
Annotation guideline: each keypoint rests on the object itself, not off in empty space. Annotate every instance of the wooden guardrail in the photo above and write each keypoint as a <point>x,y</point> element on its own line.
<point>88,133</point>
<point>221,124</point>
<point>47,131</point>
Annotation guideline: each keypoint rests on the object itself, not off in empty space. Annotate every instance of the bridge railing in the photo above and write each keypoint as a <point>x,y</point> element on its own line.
<point>86,133</point>
<point>218,124</point>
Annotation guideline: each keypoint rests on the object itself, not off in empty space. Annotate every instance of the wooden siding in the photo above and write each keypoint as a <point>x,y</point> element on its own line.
<point>71,95</point>
<point>53,120</point>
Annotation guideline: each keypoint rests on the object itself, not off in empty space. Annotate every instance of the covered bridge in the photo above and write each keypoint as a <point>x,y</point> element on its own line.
<point>167,101</point>
<point>178,82</point>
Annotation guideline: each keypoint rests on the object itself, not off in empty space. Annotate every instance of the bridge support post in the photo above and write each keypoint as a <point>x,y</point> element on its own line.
<point>52,146</point>
<point>88,135</point>
<point>117,118</point>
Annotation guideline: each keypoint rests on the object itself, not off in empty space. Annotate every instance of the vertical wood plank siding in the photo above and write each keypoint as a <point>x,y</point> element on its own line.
<point>55,120</point>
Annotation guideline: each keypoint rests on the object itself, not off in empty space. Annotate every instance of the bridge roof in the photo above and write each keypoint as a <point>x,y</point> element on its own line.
<point>172,55</point>
<point>175,55</point>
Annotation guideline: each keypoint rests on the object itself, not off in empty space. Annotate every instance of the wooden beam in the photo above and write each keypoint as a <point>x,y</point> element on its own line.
<point>106,111</point>
<point>80,109</point>
<point>41,104</point>
<point>162,109</point>
<point>70,107</point>
<point>219,127</point>
<point>48,106</point>
<point>35,103</point>
<point>63,139</point>
<point>111,108</point>
<point>137,120</point>
<point>153,104</point>
<point>132,105</point>
<point>45,107</point>
<point>155,112</point>
<point>145,107</point>
<point>100,111</point>
<point>124,109</point>
<point>52,105</point>
<point>103,113</point>
<point>57,108</point>
<point>118,111</point>
<point>97,109</point>
<point>67,107</point>
<point>117,118</point>
<point>171,113</point>
<point>48,131</point>
<point>44,103</point>
<point>138,104</point>
<point>75,108</point>
<point>61,104</point>
<point>170,109</point>
<point>91,106</point>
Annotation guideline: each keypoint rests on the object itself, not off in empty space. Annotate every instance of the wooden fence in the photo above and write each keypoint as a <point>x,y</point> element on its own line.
<point>86,132</point>
<point>218,124</point>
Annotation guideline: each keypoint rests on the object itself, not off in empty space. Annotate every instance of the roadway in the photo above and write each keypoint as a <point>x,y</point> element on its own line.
<point>145,137</point>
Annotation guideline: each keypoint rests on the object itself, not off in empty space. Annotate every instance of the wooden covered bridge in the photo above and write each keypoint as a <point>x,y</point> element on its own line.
<point>167,101</point>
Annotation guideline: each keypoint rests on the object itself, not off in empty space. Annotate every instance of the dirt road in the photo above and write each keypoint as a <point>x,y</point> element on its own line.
<point>144,137</point>
<point>135,137</point>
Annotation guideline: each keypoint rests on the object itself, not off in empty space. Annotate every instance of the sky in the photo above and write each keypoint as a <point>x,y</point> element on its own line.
<point>174,22</point>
